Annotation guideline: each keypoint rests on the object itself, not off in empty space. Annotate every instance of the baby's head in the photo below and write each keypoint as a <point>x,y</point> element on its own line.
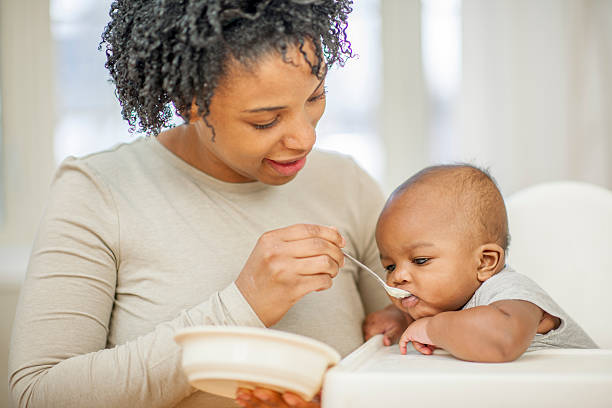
<point>440,235</point>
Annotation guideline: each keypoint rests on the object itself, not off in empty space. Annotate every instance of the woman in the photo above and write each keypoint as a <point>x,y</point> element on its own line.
<point>229,219</point>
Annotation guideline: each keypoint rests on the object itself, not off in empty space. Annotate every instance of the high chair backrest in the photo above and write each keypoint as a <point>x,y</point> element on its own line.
<point>561,237</point>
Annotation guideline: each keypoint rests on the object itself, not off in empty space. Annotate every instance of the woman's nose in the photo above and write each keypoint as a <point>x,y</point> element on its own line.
<point>301,135</point>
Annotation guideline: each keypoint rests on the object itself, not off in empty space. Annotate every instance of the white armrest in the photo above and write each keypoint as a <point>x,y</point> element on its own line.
<point>379,376</point>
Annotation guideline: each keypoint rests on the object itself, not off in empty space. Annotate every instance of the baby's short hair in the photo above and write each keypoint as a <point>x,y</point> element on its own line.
<point>476,193</point>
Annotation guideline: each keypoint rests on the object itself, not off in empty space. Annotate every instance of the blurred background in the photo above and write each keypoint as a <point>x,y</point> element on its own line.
<point>521,87</point>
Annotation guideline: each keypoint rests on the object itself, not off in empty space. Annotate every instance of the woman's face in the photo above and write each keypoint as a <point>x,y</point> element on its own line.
<point>264,119</point>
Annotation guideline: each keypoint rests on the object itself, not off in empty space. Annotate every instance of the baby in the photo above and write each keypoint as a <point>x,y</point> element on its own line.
<point>443,236</point>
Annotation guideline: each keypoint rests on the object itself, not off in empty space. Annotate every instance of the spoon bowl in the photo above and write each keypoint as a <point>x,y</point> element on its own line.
<point>395,292</point>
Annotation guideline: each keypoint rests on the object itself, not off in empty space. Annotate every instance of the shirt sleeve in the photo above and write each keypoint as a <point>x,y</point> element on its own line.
<point>370,201</point>
<point>510,285</point>
<point>58,355</point>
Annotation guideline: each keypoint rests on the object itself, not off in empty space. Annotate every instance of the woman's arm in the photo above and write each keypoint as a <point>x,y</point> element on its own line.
<point>58,354</point>
<point>498,332</point>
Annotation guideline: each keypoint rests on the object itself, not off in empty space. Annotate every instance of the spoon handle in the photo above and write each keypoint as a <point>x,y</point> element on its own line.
<point>364,267</point>
<point>395,292</point>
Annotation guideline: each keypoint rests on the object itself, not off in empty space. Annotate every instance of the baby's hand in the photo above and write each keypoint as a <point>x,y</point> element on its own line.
<point>389,322</point>
<point>417,334</point>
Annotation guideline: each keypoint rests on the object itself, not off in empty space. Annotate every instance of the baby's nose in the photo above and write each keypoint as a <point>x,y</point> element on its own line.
<point>398,277</point>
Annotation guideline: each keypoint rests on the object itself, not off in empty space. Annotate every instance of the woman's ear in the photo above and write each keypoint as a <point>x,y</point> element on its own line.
<point>193,112</point>
<point>491,260</point>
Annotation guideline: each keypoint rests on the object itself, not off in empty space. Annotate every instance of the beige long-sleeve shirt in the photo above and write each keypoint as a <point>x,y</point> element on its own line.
<point>135,244</point>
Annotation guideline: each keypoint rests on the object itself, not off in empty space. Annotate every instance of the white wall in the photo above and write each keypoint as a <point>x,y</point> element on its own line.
<point>26,72</point>
<point>27,115</point>
<point>537,90</point>
<point>403,112</point>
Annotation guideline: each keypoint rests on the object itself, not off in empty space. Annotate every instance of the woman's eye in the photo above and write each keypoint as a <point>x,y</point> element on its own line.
<point>390,268</point>
<point>420,261</point>
<point>266,125</point>
<point>319,96</point>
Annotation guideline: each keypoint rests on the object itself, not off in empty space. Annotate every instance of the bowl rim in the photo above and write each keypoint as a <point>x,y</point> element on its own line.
<point>333,357</point>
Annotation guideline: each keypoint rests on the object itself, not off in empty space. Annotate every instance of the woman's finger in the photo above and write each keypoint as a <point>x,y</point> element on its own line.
<point>269,398</point>
<point>297,402</point>
<point>315,265</point>
<point>311,247</point>
<point>262,397</point>
<point>392,335</point>
<point>303,231</point>
<point>316,283</point>
<point>259,398</point>
<point>244,397</point>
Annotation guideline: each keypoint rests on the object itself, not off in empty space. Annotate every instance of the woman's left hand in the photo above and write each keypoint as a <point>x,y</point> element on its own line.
<point>390,322</point>
<point>262,397</point>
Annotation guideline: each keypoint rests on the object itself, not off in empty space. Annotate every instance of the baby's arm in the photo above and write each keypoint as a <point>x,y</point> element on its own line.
<point>498,332</point>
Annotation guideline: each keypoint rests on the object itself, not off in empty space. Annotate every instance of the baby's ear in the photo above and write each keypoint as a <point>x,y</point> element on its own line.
<point>491,257</point>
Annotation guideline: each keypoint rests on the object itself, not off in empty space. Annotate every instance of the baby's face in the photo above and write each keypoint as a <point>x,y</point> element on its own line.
<point>427,251</point>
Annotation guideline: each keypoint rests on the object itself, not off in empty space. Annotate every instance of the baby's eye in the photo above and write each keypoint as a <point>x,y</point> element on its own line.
<point>420,261</point>
<point>390,268</point>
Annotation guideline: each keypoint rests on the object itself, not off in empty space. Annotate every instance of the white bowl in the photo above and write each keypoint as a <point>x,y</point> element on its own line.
<point>219,359</point>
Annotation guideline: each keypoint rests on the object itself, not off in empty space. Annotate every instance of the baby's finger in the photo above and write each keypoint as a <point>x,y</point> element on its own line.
<point>422,348</point>
<point>403,343</point>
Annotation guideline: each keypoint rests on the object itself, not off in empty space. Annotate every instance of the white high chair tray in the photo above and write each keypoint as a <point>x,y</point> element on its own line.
<point>379,376</point>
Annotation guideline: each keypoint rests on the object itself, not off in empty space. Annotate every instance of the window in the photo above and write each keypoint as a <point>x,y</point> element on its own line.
<point>350,124</point>
<point>441,39</point>
<point>89,116</point>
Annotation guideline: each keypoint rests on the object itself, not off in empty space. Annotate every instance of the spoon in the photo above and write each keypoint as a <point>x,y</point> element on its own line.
<point>395,292</point>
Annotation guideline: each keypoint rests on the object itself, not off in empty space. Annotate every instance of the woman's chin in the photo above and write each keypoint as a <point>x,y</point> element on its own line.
<point>274,179</point>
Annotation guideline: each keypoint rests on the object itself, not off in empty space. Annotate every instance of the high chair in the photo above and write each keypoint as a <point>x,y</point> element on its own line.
<point>561,237</point>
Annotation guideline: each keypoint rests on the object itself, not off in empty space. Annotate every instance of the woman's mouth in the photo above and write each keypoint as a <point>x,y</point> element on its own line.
<point>410,301</point>
<point>287,168</point>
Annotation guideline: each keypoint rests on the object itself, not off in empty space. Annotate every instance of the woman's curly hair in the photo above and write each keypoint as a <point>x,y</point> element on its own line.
<point>165,53</point>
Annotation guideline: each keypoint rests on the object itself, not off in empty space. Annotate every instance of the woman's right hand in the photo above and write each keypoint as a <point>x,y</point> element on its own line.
<point>288,263</point>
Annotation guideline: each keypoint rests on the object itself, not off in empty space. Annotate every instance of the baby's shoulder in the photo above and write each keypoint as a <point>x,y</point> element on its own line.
<point>507,277</point>
<point>504,285</point>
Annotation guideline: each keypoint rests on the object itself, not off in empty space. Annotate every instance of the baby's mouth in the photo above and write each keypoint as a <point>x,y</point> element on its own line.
<point>410,301</point>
